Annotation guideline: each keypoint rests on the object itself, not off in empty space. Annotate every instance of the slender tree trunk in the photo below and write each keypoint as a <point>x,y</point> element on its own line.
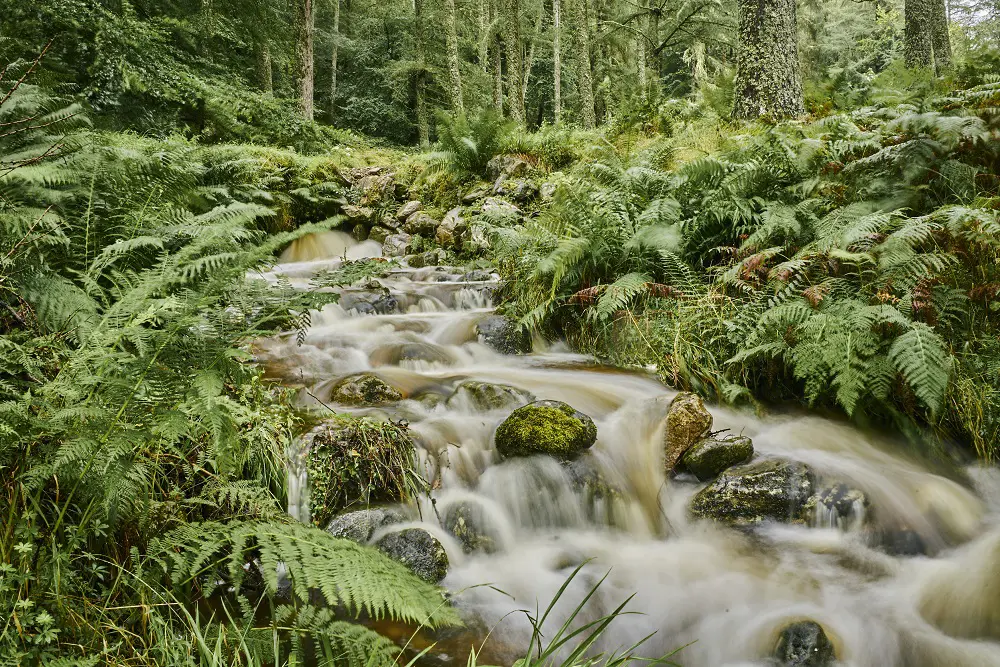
<point>496,50</point>
<point>263,67</point>
<point>205,28</point>
<point>423,123</point>
<point>304,56</point>
<point>653,19</point>
<point>917,47</point>
<point>454,71</point>
<point>515,63</point>
<point>333,59</point>
<point>529,63</point>
<point>940,41</point>
<point>640,63</point>
<point>556,61</point>
<point>484,35</point>
<point>584,81</point>
<point>767,63</point>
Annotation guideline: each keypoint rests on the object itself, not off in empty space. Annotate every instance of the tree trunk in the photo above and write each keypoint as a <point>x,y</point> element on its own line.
<point>333,59</point>
<point>454,71</point>
<point>423,123</point>
<point>640,63</point>
<point>496,50</point>
<point>529,63</point>
<point>556,61</point>
<point>917,46</point>
<point>484,35</point>
<point>653,63</point>
<point>940,41</point>
<point>262,61</point>
<point>304,56</point>
<point>512,53</point>
<point>767,63</point>
<point>584,82</point>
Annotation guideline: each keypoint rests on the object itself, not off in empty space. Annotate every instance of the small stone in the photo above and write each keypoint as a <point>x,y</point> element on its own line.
<point>379,234</point>
<point>451,230</point>
<point>467,522</point>
<point>360,525</point>
<point>415,261</point>
<point>488,396</point>
<point>364,389</point>
<point>545,427</point>
<point>804,644</point>
<point>408,209</point>
<point>354,212</point>
<point>418,550</point>
<point>359,232</point>
<point>477,193</point>
<point>421,223</point>
<point>747,495</point>
<point>687,422</point>
<point>396,245</point>
<point>503,334</point>
<point>710,456</point>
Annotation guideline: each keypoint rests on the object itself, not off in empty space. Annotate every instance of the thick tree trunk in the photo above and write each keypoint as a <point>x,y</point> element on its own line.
<point>940,41</point>
<point>767,63</point>
<point>640,63</point>
<point>304,56</point>
<point>454,71</point>
<point>262,62</point>
<point>512,55</point>
<point>530,61</point>
<point>653,62</point>
<point>917,47</point>
<point>584,81</point>
<point>423,122</point>
<point>556,61</point>
<point>333,59</point>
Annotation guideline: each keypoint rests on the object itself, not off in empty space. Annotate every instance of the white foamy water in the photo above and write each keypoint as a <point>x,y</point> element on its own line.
<point>723,594</point>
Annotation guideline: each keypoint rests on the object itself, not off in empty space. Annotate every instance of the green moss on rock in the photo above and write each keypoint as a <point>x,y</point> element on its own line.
<point>488,396</point>
<point>545,427</point>
<point>364,389</point>
<point>747,495</point>
<point>710,456</point>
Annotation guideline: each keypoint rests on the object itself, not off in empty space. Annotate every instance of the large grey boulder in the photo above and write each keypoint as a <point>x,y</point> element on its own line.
<point>545,427</point>
<point>688,421</point>
<point>408,209</point>
<point>503,334</point>
<point>364,389</point>
<point>804,644</point>
<point>506,165</point>
<point>451,230</point>
<point>710,456</point>
<point>421,223</point>
<point>396,245</point>
<point>360,525</point>
<point>418,550</point>
<point>747,495</point>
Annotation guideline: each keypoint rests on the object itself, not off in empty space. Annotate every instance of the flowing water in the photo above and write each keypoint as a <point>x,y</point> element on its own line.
<point>723,594</point>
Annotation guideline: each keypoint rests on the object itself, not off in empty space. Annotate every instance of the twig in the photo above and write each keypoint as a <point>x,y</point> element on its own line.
<point>17,84</point>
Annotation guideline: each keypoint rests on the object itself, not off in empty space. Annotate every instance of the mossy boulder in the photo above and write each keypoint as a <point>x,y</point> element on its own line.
<point>364,389</point>
<point>545,427</point>
<point>804,644</point>
<point>488,396</point>
<point>710,456</point>
<point>418,550</point>
<point>747,495</point>
<point>503,334</point>
<point>379,234</point>
<point>688,421</point>
<point>397,245</point>
<point>359,526</point>
<point>355,462</point>
<point>422,224</point>
<point>408,209</point>
<point>468,523</point>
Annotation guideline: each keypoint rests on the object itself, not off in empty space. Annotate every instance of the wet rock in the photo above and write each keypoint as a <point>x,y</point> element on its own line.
<point>418,550</point>
<point>359,526</point>
<point>687,422</point>
<point>408,209</point>
<point>451,230</point>
<point>804,644</point>
<point>421,223</point>
<point>503,334</point>
<point>379,234</point>
<point>415,261</point>
<point>430,399</point>
<point>467,522</point>
<point>396,245</point>
<point>386,304</point>
<point>545,427</point>
<point>837,506</point>
<point>369,302</point>
<point>435,256</point>
<point>360,232</point>
<point>590,482</point>
<point>477,276</point>
<point>747,495</point>
<point>393,354</point>
<point>902,542</point>
<point>710,456</point>
<point>506,165</point>
<point>364,389</point>
<point>488,396</point>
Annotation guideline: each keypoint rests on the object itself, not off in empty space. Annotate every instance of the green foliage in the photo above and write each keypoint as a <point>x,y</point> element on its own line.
<point>468,143</point>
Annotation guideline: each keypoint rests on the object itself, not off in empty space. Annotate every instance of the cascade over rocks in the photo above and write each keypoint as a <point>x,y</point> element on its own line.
<point>468,523</point>
<point>837,506</point>
<point>804,644</point>
<point>359,526</point>
<point>503,334</point>
<point>364,389</point>
<point>687,422</point>
<point>545,427</point>
<point>710,456</point>
<point>488,396</point>
<point>418,550</point>
<point>747,495</point>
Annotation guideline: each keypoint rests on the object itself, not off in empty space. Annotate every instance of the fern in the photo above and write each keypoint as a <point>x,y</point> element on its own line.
<point>920,357</point>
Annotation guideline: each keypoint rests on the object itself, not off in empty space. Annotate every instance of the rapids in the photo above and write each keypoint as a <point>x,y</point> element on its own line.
<point>722,594</point>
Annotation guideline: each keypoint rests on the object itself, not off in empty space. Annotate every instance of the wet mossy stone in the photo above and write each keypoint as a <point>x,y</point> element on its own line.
<point>503,334</point>
<point>364,389</point>
<point>837,506</point>
<point>360,525</point>
<point>747,495</point>
<point>467,522</point>
<point>488,396</point>
<point>418,550</point>
<point>545,427</point>
<point>710,456</point>
<point>688,421</point>
<point>804,644</point>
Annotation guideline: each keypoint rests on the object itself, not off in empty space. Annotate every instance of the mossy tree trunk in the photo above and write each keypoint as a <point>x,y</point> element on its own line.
<point>940,41</point>
<point>454,71</point>
<point>304,56</point>
<point>556,61</point>
<point>529,62</point>
<point>262,61</point>
<point>917,47</point>
<point>333,59</point>
<point>420,80</point>
<point>514,59</point>
<point>767,64</point>
<point>584,79</point>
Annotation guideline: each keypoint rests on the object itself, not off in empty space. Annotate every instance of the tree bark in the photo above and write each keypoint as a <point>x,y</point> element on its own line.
<point>767,64</point>
<point>304,56</point>
<point>496,50</point>
<point>333,59</point>
<point>423,123</point>
<point>454,70</point>
<point>940,41</point>
<point>556,61</point>
<point>262,59</point>
<point>512,53</point>
<point>917,46</point>
<point>530,61</point>
<point>585,84</point>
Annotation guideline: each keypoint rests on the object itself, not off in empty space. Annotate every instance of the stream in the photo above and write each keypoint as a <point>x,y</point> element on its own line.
<point>722,594</point>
